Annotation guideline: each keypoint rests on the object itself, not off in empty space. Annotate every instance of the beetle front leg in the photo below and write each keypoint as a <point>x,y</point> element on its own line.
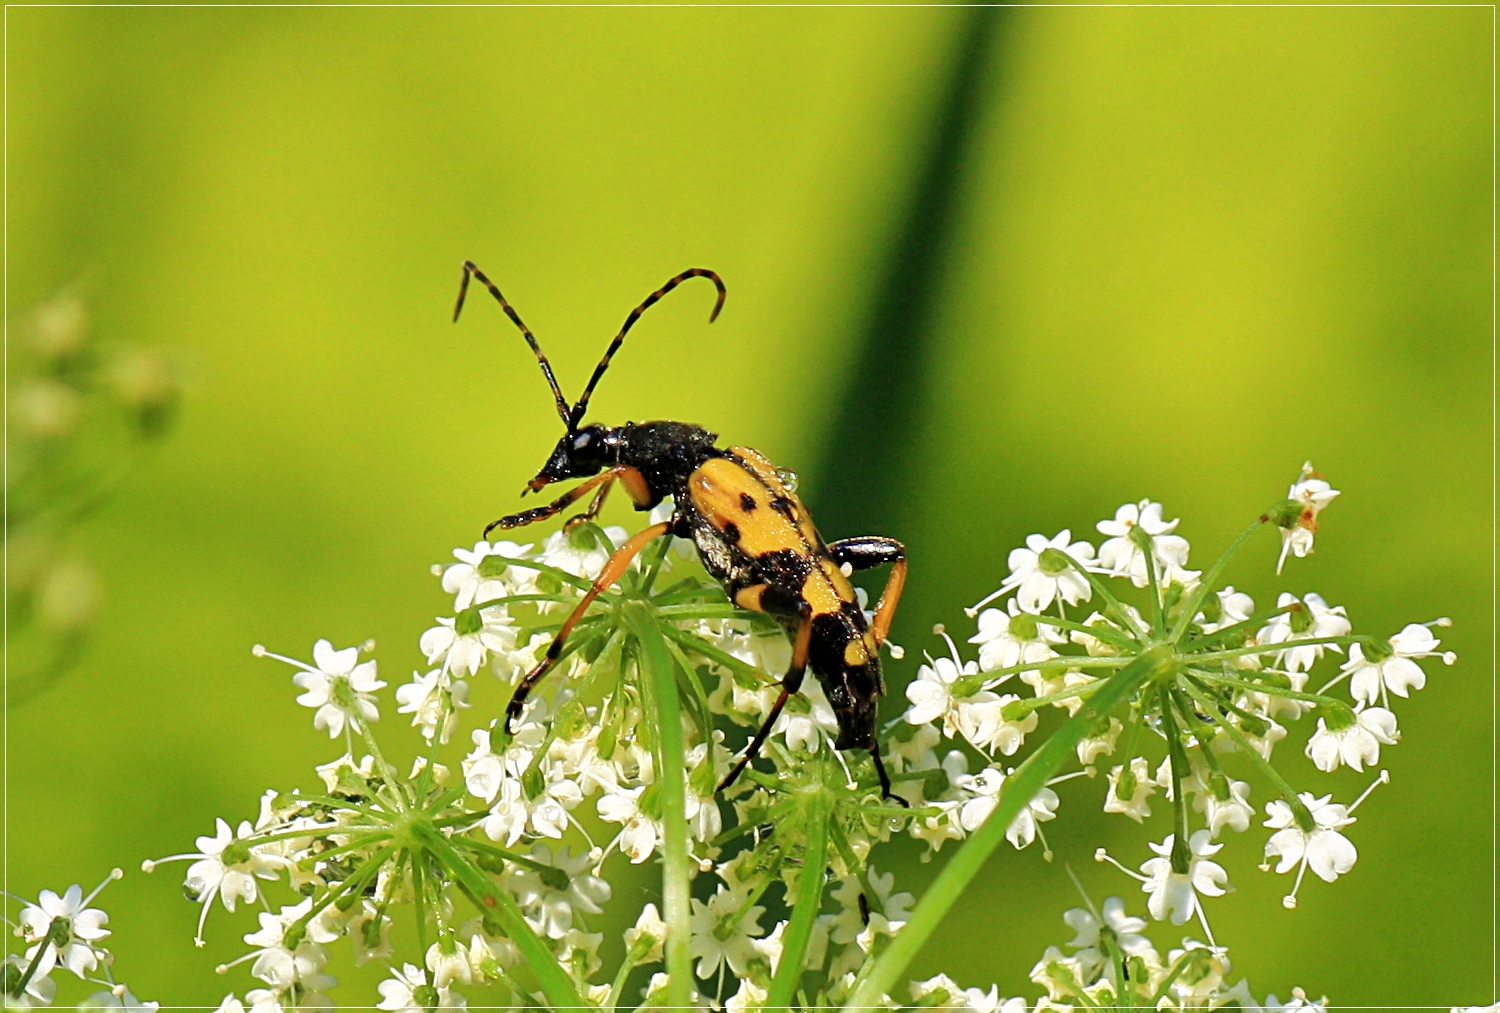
<point>560,504</point>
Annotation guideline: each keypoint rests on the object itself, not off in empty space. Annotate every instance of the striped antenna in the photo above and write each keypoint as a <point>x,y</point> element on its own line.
<point>463,289</point>
<point>635,314</point>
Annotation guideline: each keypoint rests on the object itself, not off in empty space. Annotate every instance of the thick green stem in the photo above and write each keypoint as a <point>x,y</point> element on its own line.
<point>555,983</point>
<point>809,900</point>
<point>659,689</point>
<point>1019,790</point>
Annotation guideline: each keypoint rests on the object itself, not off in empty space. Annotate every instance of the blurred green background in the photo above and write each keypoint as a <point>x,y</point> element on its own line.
<point>991,272</point>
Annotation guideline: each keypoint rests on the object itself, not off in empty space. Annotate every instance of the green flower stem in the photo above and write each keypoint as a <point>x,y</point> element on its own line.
<point>1111,636</point>
<point>388,773</point>
<point>617,987</point>
<point>383,815</point>
<point>36,961</point>
<point>486,848</point>
<point>1064,661</point>
<point>581,583</point>
<point>419,898</point>
<point>696,644</point>
<point>809,899</point>
<point>1285,790</point>
<point>1148,551</point>
<point>659,687</point>
<point>461,818</point>
<point>1181,856</point>
<point>363,842</point>
<point>256,840</point>
<point>694,610</point>
<point>1017,708</point>
<point>352,884</point>
<point>555,983</point>
<point>1210,579</point>
<point>1257,687</point>
<point>1240,652</point>
<point>654,563</point>
<point>1243,626</point>
<point>1019,790</point>
<point>521,599</point>
<point>1111,603</point>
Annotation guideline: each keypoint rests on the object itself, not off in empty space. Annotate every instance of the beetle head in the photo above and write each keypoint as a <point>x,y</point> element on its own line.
<point>579,454</point>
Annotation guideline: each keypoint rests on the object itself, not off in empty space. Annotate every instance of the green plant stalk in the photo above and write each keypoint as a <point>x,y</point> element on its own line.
<point>1210,579</point>
<point>1019,790</point>
<point>659,679</point>
<point>555,983</point>
<point>1256,621</point>
<point>809,900</point>
<point>1285,790</point>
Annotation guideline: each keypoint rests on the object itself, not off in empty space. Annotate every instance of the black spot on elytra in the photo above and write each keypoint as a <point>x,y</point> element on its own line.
<point>747,502</point>
<point>784,506</point>
<point>731,532</point>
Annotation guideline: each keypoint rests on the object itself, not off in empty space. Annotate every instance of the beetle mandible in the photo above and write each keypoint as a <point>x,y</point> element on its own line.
<point>751,531</point>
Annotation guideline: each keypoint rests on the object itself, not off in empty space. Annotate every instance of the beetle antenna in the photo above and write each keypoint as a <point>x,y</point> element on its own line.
<point>541,357</point>
<point>635,314</point>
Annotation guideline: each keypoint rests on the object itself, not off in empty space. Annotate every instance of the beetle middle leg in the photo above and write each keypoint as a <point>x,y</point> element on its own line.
<point>593,509</point>
<point>612,572</point>
<point>790,683</point>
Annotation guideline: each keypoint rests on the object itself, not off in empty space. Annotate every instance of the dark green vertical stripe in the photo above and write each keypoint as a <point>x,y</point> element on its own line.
<point>875,435</point>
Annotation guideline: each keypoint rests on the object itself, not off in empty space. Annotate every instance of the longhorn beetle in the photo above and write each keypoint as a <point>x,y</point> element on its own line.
<point>752,533</point>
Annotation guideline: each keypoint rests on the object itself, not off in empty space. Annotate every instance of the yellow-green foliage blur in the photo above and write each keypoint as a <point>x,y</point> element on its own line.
<point>990,274</point>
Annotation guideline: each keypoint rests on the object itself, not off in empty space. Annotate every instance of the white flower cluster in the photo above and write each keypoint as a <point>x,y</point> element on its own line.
<point>1176,690</point>
<point>63,932</point>
<point>1111,964</point>
<point>1239,676</point>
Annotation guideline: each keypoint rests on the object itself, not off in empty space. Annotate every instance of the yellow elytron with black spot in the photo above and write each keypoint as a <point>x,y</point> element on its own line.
<point>752,533</point>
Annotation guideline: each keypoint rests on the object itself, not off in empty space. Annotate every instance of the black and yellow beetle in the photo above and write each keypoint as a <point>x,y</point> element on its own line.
<point>752,533</point>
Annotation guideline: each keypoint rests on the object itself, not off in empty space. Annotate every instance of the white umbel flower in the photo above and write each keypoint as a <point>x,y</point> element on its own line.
<point>1135,801</point>
<point>1173,894</point>
<point>1394,670</point>
<point>1317,619</point>
<point>481,576</point>
<point>1324,848</point>
<point>1122,556</point>
<point>340,687</point>
<point>79,951</point>
<point>1039,579</point>
<point>1353,745</point>
<point>1312,493</point>
<point>1013,637</point>
<point>464,643</point>
<point>407,991</point>
<point>724,930</point>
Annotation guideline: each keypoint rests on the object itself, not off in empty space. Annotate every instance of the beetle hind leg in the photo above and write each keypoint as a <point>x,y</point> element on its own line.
<point>869,551</point>
<point>790,683</point>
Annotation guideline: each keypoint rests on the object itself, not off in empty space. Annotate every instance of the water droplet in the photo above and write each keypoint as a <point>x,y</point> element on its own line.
<point>788,478</point>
